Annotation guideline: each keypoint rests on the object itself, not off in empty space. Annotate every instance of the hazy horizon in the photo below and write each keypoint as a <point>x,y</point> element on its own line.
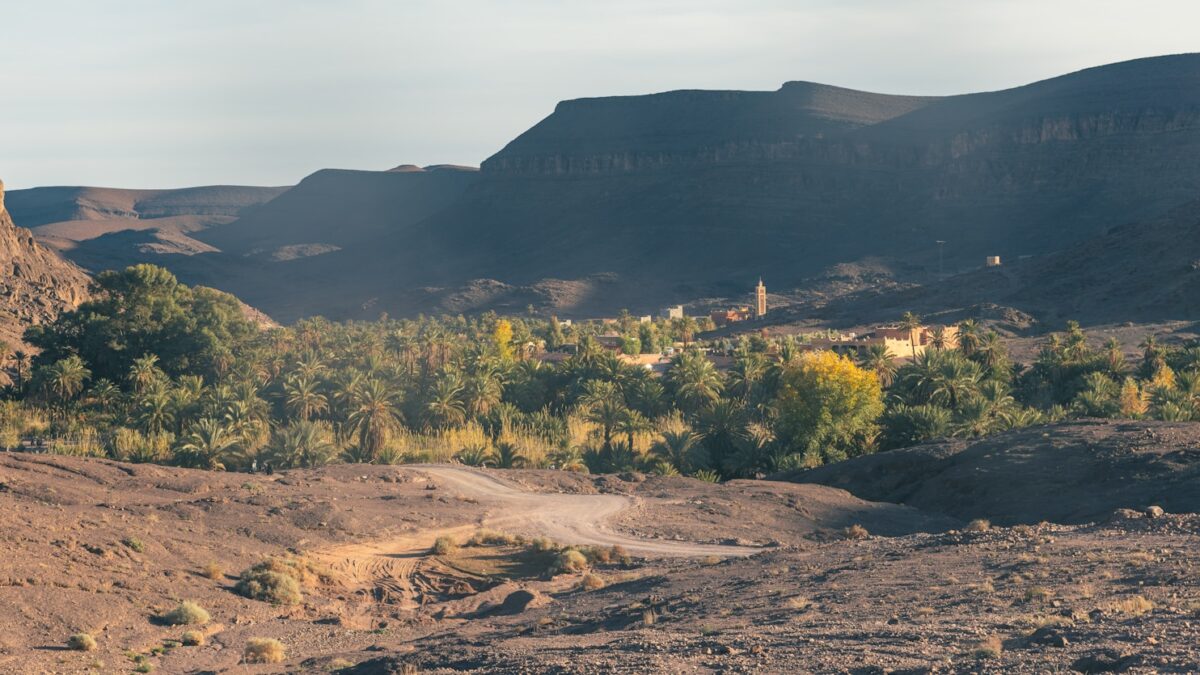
<point>136,94</point>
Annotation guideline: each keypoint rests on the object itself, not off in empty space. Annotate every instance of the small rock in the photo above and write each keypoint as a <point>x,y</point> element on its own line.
<point>1155,512</point>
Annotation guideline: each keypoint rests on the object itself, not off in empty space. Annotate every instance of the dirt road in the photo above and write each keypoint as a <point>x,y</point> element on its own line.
<point>564,518</point>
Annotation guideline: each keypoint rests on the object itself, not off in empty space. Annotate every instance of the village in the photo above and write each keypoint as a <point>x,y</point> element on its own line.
<point>718,334</point>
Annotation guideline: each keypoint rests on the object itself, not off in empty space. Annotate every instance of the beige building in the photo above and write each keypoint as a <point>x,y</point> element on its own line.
<point>901,343</point>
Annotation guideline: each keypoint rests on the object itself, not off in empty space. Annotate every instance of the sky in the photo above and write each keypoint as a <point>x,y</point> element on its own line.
<point>170,93</point>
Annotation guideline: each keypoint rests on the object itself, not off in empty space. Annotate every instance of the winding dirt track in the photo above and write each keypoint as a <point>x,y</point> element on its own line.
<point>564,518</point>
<point>385,569</point>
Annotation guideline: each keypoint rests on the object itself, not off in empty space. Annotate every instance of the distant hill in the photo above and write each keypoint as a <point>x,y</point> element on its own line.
<point>69,219</point>
<point>334,208</point>
<point>36,285</point>
<point>637,201</point>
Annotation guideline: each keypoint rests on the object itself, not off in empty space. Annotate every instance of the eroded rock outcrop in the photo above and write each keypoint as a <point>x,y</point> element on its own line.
<point>35,283</point>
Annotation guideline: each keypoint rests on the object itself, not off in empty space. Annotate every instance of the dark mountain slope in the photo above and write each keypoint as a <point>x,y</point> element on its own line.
<point>692,188</point>
<point>335,208</point>
<point>1146,271</point>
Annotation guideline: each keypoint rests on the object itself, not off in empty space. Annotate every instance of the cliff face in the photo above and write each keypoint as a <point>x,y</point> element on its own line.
<point>704,186</point>
<point>36,284</point>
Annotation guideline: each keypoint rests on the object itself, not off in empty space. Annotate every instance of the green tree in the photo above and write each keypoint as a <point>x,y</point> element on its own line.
<point>828,407</point>
<point>141,311</point>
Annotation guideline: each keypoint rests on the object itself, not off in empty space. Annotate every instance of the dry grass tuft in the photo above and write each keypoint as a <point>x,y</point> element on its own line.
<point>187,613</point>
<point>275,580</point>
<point>1038,594</point>
<point>1132,606</point>
<point>81,642</point>
<point>213,570</point>
<point>979,525</point>
<point>263,650</point>
<point>491,538</point>
<point>193,638</point>
<point>572,560</point>
<point>855,532</point>
<point>990,648</point>
<point>592,582</point>
<point>444,546</point>
<point>799,603</point>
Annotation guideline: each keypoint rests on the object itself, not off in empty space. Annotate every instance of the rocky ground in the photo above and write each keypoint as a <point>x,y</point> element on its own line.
<point>682,576</point>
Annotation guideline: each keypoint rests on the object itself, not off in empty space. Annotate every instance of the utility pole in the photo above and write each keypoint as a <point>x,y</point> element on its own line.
<point>941,267</point>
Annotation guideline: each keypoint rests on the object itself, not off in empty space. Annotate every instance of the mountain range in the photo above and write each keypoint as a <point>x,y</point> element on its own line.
<point>640,201</point>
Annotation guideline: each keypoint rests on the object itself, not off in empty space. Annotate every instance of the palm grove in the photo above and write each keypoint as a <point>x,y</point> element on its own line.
<point>154,371</point>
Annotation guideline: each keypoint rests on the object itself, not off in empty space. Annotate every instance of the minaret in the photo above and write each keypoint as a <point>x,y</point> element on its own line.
<point>760,300</point>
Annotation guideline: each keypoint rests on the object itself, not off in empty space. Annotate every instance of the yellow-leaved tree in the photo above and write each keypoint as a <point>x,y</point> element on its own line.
<point>502,336</point>
<point>828,408</point>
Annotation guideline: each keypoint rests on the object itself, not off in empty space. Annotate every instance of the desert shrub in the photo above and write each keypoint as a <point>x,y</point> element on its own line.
<point>990,648</point>
<point>1133,606</point>
<point>491,538</point>
<point>213,570</point>
<point>1038,594</point>
<point>263,650</point>
<point>187,613</point>
<point>542,544</point>
<point>619,554</point>
<point>82,642</point>
<point>193,638</point>
<point>855,531</point>
<point>592,582</point>
<point>275,580</point>
<point>134,544</point>
<point>978,525</point>
<point>444,546</point>
<point>572,560</point>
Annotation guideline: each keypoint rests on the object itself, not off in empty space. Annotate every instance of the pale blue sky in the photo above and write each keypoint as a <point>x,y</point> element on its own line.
<point>166,93</point>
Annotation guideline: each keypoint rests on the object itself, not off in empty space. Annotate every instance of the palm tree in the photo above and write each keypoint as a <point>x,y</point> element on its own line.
<point>482,391</point>
<point>445,408</point>
<point>21,360</point>
<point>991,352</point>
<point>143,372</point>
<point>878,359</point>
<point>64,379</point>
<point>155,412</point>
<point>301,444</point>
<point>911,322</point>
<point>968,337</point>
<point>695,380</point>
<point>508,456</point>
<point>937,337</point>
<point>678,448</point>
<point>374,416</point>
<point>207,443</point>
<point>632,423</point>
<point>604,406</point>
<point>303,397</point>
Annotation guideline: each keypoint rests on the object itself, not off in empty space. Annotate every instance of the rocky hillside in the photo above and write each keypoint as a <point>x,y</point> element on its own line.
<point>36,284</point>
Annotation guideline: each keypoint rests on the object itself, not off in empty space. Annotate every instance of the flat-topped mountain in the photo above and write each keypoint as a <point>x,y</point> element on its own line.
<point>36,284</point>
<point>673,196</point>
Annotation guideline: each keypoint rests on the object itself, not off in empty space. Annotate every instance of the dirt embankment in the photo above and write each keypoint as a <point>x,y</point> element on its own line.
<point>1071,472</point>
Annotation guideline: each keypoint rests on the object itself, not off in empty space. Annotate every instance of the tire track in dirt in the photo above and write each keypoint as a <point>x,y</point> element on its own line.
<point>385,569</point>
